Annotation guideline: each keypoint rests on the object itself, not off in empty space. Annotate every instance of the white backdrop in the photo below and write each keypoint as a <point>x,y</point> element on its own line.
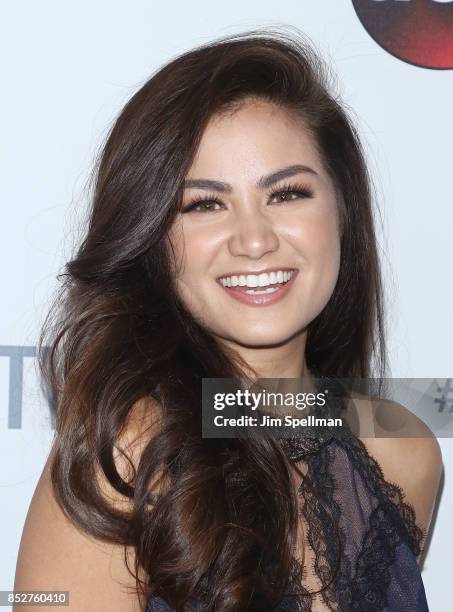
<point>68,68</point>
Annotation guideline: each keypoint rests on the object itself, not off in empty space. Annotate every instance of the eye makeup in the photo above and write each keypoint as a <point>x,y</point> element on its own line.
<point>301,191</point>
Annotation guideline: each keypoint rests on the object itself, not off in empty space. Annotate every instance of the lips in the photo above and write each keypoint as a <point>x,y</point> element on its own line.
<point>261,296</point>
<point>245,288</point>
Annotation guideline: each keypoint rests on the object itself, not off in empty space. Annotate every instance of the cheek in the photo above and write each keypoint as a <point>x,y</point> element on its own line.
<point>175,244</point>
<point>193,252</point>
<point>186,247</point>
<point>317,238</point>
<point>320,248</point>
<point>326,241</point>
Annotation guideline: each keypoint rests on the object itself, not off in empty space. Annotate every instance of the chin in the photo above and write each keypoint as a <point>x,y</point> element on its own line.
<point>259,337</point>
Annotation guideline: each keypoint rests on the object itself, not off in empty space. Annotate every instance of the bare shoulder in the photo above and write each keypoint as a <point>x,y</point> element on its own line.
<point>407,452</point>
<point>55,554</point>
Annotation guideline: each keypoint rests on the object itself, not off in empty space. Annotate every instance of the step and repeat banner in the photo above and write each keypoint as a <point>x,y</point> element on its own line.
<point>68,68</point>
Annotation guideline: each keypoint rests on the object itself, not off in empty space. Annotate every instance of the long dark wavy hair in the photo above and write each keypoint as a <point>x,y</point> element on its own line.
<point>118,336</point>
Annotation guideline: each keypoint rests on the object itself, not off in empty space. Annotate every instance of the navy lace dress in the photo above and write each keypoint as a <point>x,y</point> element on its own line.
<point>378,570</point>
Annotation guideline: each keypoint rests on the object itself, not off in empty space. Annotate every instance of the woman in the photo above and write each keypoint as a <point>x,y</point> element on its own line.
<point>230,235</point>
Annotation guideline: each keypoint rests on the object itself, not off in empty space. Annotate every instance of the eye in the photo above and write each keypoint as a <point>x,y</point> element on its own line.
<point>202,204</point>
<point>288,193</point>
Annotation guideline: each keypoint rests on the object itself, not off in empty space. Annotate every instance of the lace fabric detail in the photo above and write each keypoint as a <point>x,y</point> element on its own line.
<point>358,578</point>
<point>354,570</point>
<point>360,529</point>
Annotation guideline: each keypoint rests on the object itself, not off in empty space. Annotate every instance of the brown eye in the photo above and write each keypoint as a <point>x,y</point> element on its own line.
<point>201,205</point>
<point>209,204</point>
<point>287,195</point>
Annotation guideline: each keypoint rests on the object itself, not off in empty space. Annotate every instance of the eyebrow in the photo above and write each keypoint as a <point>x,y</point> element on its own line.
<point>262,183</point>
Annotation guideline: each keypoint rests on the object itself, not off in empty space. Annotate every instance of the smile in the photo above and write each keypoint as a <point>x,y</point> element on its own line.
<point>261,289</point>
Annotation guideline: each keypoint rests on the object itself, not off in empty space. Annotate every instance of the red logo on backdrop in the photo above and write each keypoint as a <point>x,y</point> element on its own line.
<point>418,32</point>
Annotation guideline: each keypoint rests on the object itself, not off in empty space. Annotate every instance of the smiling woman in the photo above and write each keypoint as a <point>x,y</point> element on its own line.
<point>258,200</point>
<point>231,235</point>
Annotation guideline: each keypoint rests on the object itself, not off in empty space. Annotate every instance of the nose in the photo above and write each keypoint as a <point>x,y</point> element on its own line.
<point>252,235</point>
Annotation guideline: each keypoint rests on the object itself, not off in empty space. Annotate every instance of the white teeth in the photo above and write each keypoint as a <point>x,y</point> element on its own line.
<point>258,292</point>
<point>262,279</point>
<point>257,280</point>
<point>252,280</point>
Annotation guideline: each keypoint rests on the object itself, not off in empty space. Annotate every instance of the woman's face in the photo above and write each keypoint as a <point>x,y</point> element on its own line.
<point>268,205</point>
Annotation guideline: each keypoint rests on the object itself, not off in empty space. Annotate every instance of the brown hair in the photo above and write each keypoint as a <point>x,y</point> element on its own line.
<point>120,335</point>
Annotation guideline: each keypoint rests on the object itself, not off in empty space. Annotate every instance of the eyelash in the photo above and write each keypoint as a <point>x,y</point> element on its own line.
<point>301,190</point>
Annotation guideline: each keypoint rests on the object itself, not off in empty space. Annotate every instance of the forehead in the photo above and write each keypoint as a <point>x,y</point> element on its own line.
<point>255,136</point>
